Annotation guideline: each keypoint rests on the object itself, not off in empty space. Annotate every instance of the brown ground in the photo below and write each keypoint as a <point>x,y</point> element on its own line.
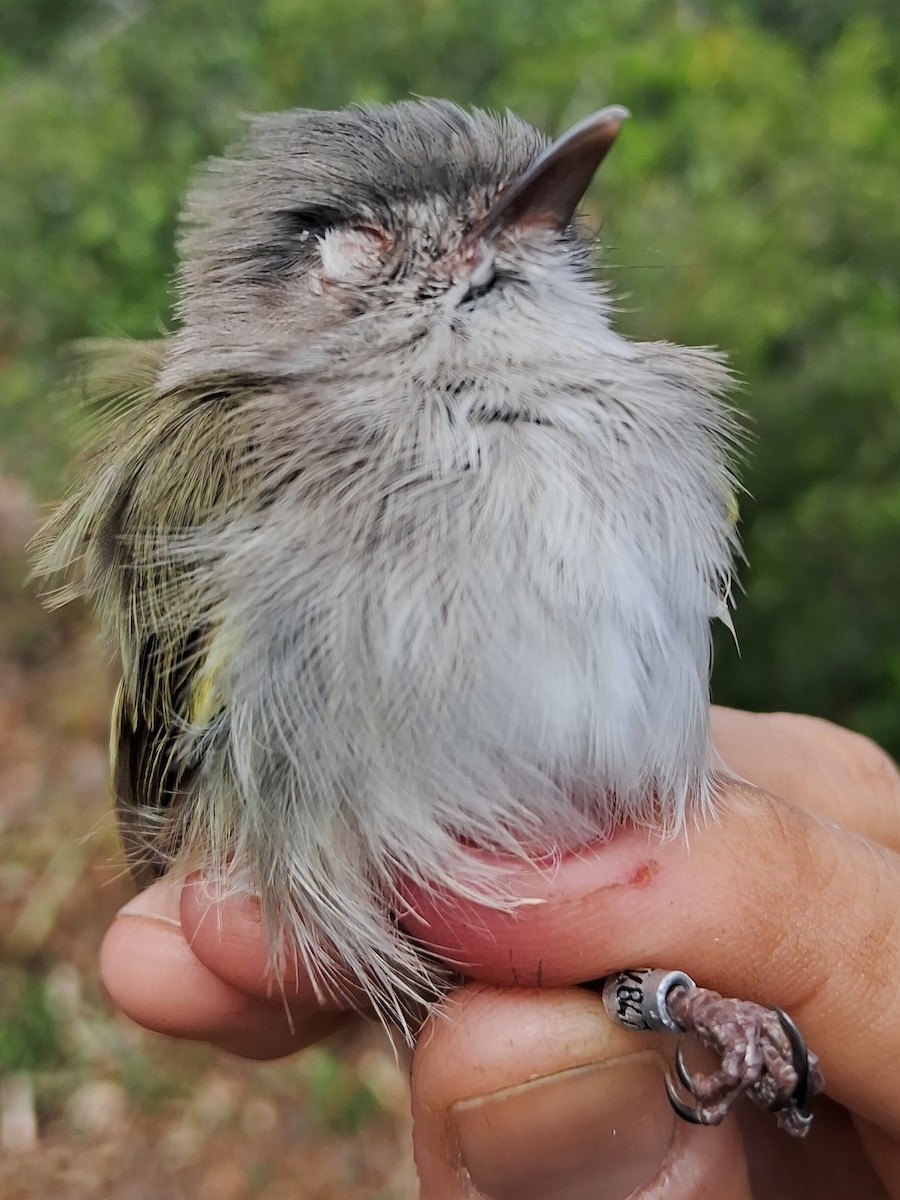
<point>90,1105</point>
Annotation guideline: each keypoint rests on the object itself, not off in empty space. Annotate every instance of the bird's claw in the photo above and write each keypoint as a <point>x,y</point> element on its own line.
<point>712,1095</point>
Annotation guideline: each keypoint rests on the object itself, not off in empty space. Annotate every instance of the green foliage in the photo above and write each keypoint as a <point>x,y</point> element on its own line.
<point>337,1098</point>
<point>29,1028</point>
<point>149,1083</point>
<point>750,203</point>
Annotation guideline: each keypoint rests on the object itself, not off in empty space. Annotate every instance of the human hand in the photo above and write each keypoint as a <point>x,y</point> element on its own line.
<point>528,1091</point>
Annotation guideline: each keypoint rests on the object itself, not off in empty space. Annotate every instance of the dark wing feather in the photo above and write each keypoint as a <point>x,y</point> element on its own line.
<point>153,770</point>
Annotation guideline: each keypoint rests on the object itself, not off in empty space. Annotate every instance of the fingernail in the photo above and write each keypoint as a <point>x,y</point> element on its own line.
<point>160,902</point>
<point>596,1132</point>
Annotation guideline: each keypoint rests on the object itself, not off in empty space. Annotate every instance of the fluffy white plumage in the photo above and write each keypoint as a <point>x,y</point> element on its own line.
<point>405,548</point>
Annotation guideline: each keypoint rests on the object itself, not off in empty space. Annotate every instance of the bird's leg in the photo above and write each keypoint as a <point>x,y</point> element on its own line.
<point>759,1050</point>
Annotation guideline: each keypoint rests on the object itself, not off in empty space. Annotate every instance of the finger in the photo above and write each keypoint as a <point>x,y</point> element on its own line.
<point>152,975</point>
<point>226,931</point>
<point>528,1095</point>
<point>810,762</point>
<point>769,903</point>
<point>883,1153</point>
<point>829,1164</point>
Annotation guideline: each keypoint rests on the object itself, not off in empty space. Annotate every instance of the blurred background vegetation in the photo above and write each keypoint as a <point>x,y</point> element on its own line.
<point>751,203</point>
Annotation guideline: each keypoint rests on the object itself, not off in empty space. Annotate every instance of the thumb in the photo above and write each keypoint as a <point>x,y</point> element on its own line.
<point>535,1095</point>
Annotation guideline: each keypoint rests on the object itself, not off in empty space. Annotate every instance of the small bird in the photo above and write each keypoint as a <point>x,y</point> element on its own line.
<point>403,547</point>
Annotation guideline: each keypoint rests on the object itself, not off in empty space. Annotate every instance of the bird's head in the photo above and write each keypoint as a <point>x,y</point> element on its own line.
<point>378,226</point>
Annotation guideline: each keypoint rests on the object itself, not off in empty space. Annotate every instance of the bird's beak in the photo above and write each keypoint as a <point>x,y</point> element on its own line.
<point>549,192</point>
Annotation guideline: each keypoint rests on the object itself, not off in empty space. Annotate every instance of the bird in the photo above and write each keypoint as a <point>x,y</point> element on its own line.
<point>403,547</point>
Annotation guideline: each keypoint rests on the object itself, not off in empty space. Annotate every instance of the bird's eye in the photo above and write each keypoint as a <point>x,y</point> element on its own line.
<point>375,234</point>
<point>352,253</point>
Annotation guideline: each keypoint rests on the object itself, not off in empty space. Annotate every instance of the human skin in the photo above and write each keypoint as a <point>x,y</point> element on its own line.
<point>527,1092</point>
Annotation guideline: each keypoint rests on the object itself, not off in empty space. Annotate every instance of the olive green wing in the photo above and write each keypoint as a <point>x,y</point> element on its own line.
<point>153,774</point>
<point>164,462</point>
